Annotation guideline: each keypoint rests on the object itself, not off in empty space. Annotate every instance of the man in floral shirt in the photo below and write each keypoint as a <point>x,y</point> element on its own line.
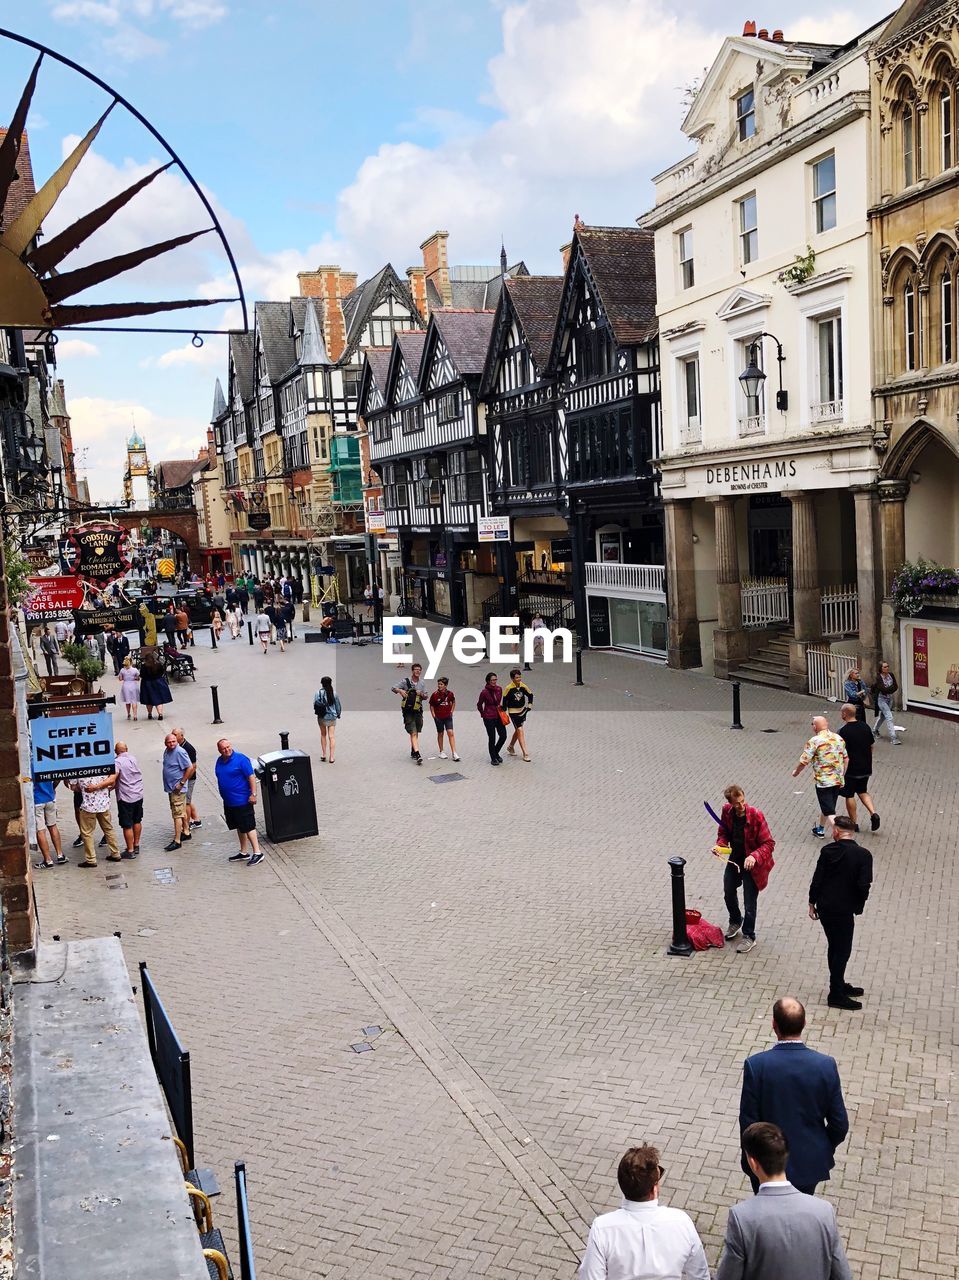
<point>827,754</point>
<point>95,811</point>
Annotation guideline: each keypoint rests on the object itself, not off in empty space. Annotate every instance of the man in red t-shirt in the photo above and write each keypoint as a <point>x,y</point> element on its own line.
<point>442,703</point>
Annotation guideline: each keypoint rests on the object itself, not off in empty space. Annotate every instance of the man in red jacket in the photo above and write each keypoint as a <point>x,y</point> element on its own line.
<point>744,841</point>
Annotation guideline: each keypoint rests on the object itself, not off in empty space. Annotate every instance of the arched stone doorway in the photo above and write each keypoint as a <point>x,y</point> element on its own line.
<point>918,489</point>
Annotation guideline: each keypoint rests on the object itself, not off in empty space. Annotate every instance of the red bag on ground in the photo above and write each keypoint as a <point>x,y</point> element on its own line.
<point>701,933</point>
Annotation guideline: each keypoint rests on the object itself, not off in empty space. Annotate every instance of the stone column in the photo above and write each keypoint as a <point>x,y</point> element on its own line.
<point>15,880</point>
<point>868,581</point>
<point>892,508</point>
<point>807,599</point>
<point>730,642</point>
<point>683,646</point>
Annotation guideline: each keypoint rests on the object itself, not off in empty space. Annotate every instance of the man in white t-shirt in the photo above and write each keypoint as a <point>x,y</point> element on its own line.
<point>643,1237</point>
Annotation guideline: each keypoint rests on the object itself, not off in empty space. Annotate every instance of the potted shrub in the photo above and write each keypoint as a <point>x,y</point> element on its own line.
<point>88,668</point>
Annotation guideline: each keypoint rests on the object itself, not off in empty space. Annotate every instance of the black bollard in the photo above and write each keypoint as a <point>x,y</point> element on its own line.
<point>680,945</point>
<point>579,666</point>
<point>213,635</point>
<point>249,631</point>
<point>737,722</point>
<point>284,739</point>
<point>216,705</point>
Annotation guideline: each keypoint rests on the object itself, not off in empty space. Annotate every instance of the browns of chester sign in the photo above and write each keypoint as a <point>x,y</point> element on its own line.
<point>51,598</point>
<point>98,553</point>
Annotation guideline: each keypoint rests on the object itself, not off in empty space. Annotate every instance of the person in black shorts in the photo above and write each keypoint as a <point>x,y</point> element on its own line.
<point>518,702</point>
<point>442,705</point>
<point>858,738</point>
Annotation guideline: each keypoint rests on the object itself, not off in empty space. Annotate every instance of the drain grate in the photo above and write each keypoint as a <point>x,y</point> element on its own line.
<point>448,777</point>
<point>165,875</point>
<point>362,1048</point>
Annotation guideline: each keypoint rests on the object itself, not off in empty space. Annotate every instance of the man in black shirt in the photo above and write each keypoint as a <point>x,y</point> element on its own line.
<point>858,738</point>
<point>192,817</point>
<point>837,894</point>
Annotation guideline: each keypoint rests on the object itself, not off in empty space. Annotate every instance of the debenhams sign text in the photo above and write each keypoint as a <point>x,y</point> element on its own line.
<point>751,475</point>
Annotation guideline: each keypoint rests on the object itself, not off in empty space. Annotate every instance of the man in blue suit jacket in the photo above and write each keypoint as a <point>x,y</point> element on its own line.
<point>798,1089</point>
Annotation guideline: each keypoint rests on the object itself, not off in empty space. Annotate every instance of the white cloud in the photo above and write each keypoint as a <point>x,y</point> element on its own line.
<point>128,20</point>
<point>76,349</point>
<point>212,355</point>
<point>101,427</point>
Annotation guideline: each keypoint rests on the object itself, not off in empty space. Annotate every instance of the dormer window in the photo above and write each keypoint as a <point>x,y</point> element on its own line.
<point>746,114</point>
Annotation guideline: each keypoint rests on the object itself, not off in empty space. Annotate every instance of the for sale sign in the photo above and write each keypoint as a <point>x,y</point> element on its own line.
<point>51,598</point>
<point>72,746</point>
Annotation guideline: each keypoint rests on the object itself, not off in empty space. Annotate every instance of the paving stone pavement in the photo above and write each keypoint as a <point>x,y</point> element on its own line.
<point>507,932</point>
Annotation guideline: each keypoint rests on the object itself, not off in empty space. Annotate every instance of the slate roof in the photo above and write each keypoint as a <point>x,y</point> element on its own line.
<point>536,301</point>
<point>358,304</point>
<point>179,472</point>
<point>411,343</point>
<point>22,190</point>
<point>219,402</point>
<point>621,262</point>
<point>466,335</point>
<point>273,324</point>
<point>241,351</point>
<point>378,358</point>
<point>474,295</point>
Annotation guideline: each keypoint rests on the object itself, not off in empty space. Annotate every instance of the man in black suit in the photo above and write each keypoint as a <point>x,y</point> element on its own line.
<point>798,1089</point>
<point>838,892</point>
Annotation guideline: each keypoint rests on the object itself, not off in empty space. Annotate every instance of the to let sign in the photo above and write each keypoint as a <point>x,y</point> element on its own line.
<point>72,746</point>
<point>920,656</point>
<point>492,529</point>
<point>51,598</point>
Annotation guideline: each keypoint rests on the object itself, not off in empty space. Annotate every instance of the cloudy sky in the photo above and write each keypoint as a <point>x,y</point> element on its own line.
<point>324,132</point>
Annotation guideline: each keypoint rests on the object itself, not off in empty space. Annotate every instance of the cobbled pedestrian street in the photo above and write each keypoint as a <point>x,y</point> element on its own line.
<point>500,942</point>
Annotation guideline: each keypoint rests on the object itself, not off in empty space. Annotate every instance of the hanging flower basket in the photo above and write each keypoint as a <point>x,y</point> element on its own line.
<point>923,584</point>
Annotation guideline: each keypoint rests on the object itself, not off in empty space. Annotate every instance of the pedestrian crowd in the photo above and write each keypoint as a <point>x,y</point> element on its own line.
<point>499,709</point>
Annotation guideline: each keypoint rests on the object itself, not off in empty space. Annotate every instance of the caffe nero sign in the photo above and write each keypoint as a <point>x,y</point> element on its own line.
<point>98,553</point>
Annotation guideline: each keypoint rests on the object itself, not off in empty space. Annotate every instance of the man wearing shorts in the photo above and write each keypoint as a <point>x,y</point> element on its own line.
<point>858,738</point>
<point>129,792</point>
<point>237,783</point>
<point>412,690</point>
<point>45,806</point>
<point>177,770</point>
<point>442,706</point>
<point>192,816</point>
<point>827,754</point>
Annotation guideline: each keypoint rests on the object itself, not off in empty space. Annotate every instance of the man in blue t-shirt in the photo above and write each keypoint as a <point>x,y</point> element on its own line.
<point>237,783</point>
<point>45,807</point>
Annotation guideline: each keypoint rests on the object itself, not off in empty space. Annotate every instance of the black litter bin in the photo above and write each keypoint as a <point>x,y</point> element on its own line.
<point>286,784</point>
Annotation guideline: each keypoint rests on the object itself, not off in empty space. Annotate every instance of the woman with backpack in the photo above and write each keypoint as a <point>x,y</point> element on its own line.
<point>326,706</point>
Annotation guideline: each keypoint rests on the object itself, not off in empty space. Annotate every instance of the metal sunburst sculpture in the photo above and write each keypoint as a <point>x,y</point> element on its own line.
<point>34,292</point>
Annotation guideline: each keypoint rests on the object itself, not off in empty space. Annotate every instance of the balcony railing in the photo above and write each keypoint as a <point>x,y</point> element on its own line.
<point>648,580</point>
<point>754,424</point>
<point>173,502</point>
<point>826,411</point>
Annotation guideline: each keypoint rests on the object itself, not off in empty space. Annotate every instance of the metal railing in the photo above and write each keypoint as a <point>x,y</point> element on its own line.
<point>826,671</point>
<point>247,1265</point>
<point>642,579</point>
<point>171,1062</point>
<point>840,611</point>
<point>546,578</point>
<point>765,601</point>
<point>754,424</point>
<point>826,411</point>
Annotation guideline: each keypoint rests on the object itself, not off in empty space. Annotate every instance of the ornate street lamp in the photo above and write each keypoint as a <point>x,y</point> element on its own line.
<point>752,377</point>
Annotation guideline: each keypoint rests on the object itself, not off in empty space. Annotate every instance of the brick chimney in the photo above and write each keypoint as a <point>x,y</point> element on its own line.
<point>436,265</point>
<point>309,282</point>
<point>416,276</point>
<point>347,283</point>
<point>749,28</point>
<point>763,33</point>
<point>778,36</point>
<point>565,251</point>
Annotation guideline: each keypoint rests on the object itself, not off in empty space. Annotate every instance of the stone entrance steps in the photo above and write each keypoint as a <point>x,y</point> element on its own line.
<point>769,665</point>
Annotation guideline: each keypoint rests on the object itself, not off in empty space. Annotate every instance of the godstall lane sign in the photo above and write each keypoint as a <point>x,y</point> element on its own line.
<point>98,553</point>
<point>78,746</point>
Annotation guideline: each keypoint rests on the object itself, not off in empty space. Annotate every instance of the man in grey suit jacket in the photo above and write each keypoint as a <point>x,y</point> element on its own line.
<point>780,1234</point>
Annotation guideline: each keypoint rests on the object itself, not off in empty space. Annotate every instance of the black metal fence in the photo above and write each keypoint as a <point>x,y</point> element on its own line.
<point>247,1265</point>
<point>171,1062</point>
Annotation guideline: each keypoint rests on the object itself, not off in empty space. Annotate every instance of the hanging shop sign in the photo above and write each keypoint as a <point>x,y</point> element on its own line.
<point>37,558</point>
<point>91,622</point>
<point>492,529</point>
<point>51,598</point>
<point>98,553</point>
<point>258,519</point>
<point>78,746</point>
<point>561,550</point>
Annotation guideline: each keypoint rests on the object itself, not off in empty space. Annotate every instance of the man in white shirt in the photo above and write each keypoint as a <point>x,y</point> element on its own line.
<point>643,1238</point>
